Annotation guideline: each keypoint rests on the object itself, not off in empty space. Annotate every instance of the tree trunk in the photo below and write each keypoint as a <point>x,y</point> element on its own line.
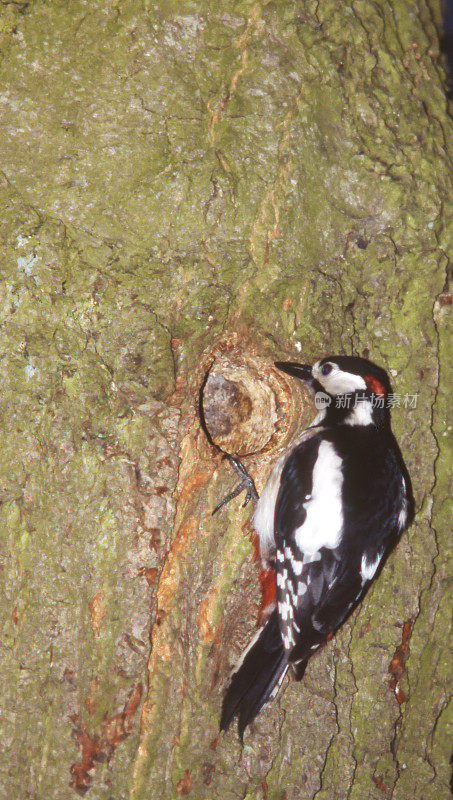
<point>192,188</point>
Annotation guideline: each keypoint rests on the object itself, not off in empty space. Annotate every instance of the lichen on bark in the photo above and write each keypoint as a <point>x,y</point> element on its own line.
<point>183,183</point>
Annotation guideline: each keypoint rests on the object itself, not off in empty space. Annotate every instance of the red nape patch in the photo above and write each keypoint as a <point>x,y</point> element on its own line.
<point>268,593</point>
<point>375,386</point>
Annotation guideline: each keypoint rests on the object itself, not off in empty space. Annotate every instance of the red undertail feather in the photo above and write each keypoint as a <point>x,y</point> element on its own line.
<point>268,593</point>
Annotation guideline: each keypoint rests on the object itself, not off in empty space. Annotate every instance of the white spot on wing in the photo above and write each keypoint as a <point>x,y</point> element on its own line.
<point>402,517</point>
<point>277,686</point>
<point>288,640</point>
<point>324,521</point>
<point>368,568</point>
<point>310,557</point>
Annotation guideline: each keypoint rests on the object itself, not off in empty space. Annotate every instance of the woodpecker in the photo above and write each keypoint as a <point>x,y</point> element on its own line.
<point>334,505</point>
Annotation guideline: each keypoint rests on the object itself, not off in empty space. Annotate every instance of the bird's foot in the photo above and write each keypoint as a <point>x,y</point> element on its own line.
<point>247,483</point>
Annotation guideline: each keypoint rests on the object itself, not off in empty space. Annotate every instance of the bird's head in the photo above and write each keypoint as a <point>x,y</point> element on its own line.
<point>355,390</point>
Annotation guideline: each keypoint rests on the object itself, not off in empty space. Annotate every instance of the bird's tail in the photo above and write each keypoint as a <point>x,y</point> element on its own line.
<point>257,678</point>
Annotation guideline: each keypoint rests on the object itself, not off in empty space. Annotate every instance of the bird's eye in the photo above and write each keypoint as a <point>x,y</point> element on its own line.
<point>326,368</point>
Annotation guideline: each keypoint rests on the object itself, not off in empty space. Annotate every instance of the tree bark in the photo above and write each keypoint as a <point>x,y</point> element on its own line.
<point>187,185</point>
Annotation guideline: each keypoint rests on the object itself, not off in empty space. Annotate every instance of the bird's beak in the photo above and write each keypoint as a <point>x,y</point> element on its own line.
<point>301,371</point>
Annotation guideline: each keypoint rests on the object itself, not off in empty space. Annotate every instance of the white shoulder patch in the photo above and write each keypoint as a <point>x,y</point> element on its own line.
<point>264,516</point>
<point>323,524</point>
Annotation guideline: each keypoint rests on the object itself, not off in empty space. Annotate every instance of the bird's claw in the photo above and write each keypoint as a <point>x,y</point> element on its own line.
<point>246,483</point>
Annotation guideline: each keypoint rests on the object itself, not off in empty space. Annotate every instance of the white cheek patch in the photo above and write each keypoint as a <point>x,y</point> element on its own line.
<point>342,382</point>
<point>323,524</point>
<point>338,382</point>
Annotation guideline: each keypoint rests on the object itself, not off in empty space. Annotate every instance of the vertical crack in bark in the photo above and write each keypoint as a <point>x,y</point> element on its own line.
<point>186,525</point>
<point>427,591</point>
<point>364,133</point>
<point>241,44</point>
<point>353,698</point>
<point>335,734</point>
<point>262,228</point>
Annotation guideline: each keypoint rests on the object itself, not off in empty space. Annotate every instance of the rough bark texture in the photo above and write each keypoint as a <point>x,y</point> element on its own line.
<point>185,181</point>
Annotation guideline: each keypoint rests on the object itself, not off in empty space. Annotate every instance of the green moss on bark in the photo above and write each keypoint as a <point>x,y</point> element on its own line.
<point>171,173</point>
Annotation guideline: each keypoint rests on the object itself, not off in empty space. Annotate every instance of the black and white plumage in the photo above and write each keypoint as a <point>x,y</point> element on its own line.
<point>332,509</point>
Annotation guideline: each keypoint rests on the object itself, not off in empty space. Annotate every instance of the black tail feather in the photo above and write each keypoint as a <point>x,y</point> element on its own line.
<point>261,670</point>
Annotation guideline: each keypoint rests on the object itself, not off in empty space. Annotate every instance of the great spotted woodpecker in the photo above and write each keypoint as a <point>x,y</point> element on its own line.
<point>332,509</point>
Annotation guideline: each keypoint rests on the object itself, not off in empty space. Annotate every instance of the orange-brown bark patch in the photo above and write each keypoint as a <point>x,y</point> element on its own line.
<point>90,701</point>
<point>169,579</point>
<point>380,783</point>
<point>194,482</point>
<point>397,666</point>
<point>208,770</point>
<point>150,574</point>
<point>96,748</point>
<point>206,629</point>
<point>97,611</point>
<point>184,785</point>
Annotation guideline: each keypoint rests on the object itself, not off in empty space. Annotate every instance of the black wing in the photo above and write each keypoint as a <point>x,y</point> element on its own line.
<point>317,589</point>
<point>297,594</point>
